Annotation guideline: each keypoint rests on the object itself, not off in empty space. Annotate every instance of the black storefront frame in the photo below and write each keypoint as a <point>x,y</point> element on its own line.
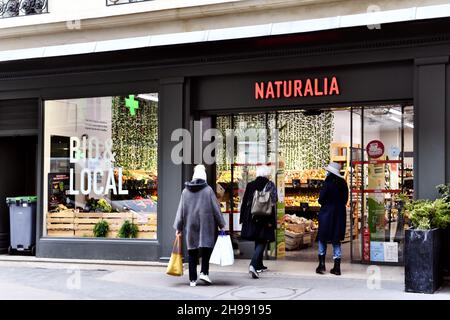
<point>422,47</point>
<point>55,246</point>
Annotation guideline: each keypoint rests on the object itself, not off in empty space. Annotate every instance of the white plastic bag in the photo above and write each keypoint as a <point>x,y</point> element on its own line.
<point>223,254</point>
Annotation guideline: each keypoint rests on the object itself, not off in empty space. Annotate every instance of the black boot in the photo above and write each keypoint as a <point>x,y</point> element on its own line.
<point>321,268</point>
<point>337,267</point>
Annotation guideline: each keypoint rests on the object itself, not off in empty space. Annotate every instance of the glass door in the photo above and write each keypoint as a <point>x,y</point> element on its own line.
<point>381,178</point>
<point>252,146</point>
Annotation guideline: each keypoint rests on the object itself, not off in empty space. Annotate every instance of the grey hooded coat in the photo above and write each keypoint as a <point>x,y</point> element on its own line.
<point>199,215</point>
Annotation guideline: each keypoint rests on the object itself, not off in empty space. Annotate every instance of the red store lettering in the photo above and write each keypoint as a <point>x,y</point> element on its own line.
<point>280,89</point>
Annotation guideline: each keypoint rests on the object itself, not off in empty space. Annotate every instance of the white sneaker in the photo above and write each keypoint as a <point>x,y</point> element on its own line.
<point>193,284</point>
<point>253,272</point>
<point>205,278</point>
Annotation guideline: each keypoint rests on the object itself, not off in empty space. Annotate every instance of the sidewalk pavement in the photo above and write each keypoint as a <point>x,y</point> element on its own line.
<point>55,279</point>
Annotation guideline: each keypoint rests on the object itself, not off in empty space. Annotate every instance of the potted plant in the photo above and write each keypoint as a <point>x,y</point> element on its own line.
<point>128,230</point>
<point>422,244</point>
<point>101,229</point>
<point>444,190</point>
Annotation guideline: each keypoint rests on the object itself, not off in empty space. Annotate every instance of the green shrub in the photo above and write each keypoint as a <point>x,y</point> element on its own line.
<point>444,190</point>
<point>101,229</point>
<point>128,230</point>
<point>427,214</point>
<point>99,205</point>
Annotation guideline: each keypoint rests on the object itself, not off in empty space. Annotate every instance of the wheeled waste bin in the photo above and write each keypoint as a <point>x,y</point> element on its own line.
<point>22,214</point>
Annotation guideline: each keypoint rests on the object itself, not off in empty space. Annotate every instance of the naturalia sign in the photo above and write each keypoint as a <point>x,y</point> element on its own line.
<point>297,88</point>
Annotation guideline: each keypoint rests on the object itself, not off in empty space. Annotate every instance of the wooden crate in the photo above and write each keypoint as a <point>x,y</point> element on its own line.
<point>307,239</point>
<point>115,221</point>
<point>148,227</point>
<point>297,228</point>
<point>85,222</point>
<point>146,235</point>
<point>60,224</point>
<point>293,240</point>
<point>81,224</point>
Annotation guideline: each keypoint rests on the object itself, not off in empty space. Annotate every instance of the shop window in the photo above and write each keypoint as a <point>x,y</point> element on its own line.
<point>100,159</point>
<point>382,176</point>
<point>374,148</point>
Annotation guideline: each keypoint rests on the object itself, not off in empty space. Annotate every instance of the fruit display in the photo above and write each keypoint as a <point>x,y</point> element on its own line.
<point>98,205</point>
<point>225,176</point>
<point>137,179</point>
<point>304,175</point>
<point>311,198</point>
<point>60,208</point>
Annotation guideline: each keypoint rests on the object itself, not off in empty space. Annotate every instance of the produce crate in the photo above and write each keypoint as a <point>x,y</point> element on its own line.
<point>69,224</point>
<point>293,240</point>
<point>60,224</point>
<point>297,228</point>
<point>307,239</point>
<point>148,227</point>
<point>85,222</point>
<point>314,234</point>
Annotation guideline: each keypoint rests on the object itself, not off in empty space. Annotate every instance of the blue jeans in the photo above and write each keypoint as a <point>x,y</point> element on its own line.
<point>336,249</point>
<point>258,255</point>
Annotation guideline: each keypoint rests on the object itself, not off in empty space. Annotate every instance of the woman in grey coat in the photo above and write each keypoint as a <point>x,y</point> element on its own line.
<point>199,214</point>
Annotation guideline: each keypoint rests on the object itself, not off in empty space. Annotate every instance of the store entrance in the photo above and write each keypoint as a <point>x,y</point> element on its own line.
<point>296,145</point>
<point>18,156</point>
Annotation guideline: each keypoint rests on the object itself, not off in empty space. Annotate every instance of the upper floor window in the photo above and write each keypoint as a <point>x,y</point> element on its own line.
<point>15,8</point>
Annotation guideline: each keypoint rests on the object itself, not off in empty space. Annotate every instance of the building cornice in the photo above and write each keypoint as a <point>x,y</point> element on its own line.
<point>116,20</point>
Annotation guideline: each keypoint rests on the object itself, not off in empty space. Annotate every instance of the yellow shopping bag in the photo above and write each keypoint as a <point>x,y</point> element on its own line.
<point>175,267</point>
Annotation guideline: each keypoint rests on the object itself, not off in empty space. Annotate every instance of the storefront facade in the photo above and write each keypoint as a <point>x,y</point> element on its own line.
<point>403,63</point>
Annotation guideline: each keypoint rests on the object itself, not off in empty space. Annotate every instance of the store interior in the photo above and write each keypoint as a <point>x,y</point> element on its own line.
<point>297,145</point>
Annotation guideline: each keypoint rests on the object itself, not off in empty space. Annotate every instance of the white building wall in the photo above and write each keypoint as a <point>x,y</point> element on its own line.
<point>80,21</point>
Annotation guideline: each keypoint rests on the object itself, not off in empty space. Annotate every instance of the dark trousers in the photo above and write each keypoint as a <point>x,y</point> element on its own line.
<point>258,255</point>
<point>205,254</point>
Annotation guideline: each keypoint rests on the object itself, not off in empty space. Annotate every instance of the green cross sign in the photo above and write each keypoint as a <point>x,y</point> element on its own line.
<point>132,104</point>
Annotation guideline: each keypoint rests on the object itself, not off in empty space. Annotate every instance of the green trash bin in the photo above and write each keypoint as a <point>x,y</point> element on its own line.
<point>22,217</point>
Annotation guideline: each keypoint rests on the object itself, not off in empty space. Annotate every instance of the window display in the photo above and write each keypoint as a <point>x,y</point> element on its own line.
<point>101,167</point>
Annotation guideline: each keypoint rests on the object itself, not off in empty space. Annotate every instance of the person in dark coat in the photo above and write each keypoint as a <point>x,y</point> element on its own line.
<point>261,230</point>
<point>199,214</point>
<point>332,217</point>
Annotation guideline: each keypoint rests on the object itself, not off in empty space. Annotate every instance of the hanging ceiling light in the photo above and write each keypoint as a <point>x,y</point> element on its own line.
<point>149,96</point>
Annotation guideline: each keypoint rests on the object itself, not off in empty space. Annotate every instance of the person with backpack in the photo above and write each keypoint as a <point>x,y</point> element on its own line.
<point>199,214</point>
<point>332,217</point>
<point>258,216</point>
